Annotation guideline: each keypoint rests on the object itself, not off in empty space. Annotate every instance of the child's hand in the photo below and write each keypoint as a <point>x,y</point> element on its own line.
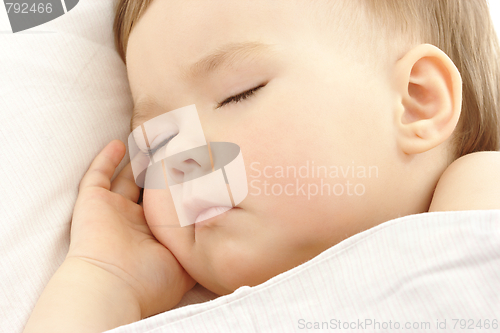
<point>109,231</point>
<point>115,272</point>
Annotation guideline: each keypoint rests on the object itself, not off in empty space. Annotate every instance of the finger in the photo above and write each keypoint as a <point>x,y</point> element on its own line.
<point>104,165</point>
<point>140,162</point>
<point>124,184</point>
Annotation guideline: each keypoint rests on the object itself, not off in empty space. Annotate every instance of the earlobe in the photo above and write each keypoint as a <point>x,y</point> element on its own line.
<point>429,90</point>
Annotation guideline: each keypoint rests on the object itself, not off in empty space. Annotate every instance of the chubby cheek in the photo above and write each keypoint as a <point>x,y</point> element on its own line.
<point>163,222</point>
<point>303,218</point>
<point>159,208</point>
<point>267,250</point>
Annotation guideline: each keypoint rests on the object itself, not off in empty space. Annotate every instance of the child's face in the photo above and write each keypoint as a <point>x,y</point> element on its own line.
<point>318,108</point>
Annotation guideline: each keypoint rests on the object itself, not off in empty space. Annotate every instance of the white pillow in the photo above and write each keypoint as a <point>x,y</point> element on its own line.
<point>63,96</point>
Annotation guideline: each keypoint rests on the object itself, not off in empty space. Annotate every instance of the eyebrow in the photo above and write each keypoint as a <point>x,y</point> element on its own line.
<point>223,57</point>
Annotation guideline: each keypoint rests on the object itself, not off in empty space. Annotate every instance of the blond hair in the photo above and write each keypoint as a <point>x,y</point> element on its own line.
<point>127,13</point>
<point>463,29</point>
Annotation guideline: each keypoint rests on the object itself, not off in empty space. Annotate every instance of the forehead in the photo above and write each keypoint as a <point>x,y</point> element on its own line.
<point>182,30</point>
<point>174,33</point>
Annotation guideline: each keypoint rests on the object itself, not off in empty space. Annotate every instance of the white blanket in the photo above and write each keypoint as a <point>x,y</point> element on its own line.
<point>427,272</point>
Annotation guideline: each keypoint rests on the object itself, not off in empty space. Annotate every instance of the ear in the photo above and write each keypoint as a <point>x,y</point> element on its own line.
<point>429,91</point>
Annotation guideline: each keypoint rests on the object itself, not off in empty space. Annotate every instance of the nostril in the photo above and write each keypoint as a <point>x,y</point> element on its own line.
<point>191,161</point>
<point>177,172</point>
<point>176,175</point>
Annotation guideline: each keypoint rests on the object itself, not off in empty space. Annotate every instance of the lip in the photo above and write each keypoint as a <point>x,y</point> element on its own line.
<point>194,205</point>
<point>211,212</point>
<point>199,198</point>
<point>214,219</point>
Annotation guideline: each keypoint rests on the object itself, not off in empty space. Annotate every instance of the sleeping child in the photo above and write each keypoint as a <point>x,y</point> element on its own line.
<point>348,113</point>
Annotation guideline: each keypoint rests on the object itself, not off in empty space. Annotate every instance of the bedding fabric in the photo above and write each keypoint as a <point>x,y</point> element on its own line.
<point>64,95</point>
<point>425,271</point>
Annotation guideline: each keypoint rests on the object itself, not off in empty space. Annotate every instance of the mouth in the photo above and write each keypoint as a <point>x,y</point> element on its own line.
<point>211,215</point>
<point>211,212</point>
<point>199,209</point>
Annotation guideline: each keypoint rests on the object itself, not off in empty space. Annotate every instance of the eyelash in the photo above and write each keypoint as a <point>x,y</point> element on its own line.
<point>240,97</point>
<point>233,99</point>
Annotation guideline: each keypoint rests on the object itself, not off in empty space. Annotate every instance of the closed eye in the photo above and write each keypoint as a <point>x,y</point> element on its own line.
<point>240,97</point>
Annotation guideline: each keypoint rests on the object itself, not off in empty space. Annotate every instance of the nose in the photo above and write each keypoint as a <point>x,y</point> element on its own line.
<point>188,165</point>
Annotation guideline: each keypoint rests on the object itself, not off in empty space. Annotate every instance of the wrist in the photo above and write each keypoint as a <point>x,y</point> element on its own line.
<point>82,297</point>
<point>108,287</point>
